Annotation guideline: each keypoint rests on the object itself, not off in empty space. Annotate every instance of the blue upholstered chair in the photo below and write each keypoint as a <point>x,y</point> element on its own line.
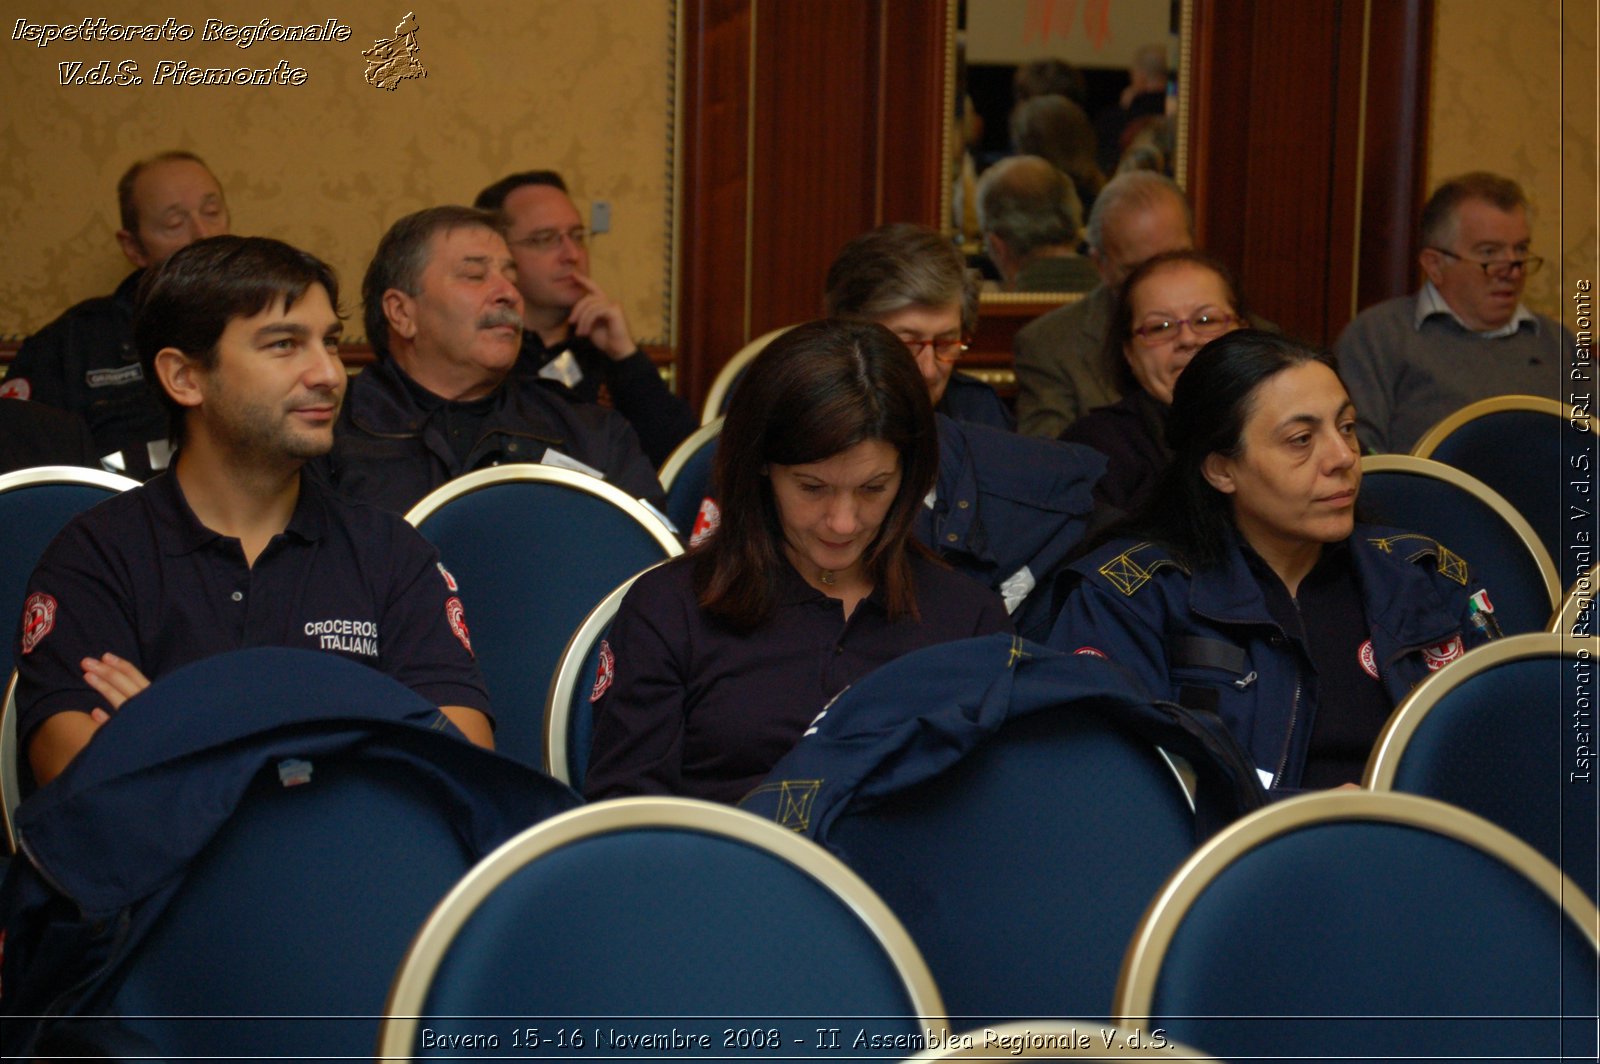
<point>34,505</point>
<point>1472,521</point>
<point>1493,734</point>
<point>686,475</point>
<point>1374,926</point>
<point>644,917</point>
<point>568,719</point>
<point>1536,453</point>
<point>266,829</point>
<point>534,548</point>
<point>1022,871</point>
<point>728,376</point>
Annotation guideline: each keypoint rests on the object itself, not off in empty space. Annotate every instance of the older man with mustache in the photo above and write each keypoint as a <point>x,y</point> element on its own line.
<point>444,316</point>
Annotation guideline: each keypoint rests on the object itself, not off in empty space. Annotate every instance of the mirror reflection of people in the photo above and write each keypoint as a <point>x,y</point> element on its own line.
<point>718,661</point>
<point>1247,588</point>
<point>1166,310</point>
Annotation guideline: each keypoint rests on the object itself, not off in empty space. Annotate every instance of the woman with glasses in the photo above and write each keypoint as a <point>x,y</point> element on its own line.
<point>718,661</point>
<point>1245,586</point>
<point>1166,310</point>
<point>914,283</point>
<point>1006,509</point>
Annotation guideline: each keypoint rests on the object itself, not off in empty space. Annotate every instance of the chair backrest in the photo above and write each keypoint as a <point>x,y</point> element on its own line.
<point>1378,926</point>
<point>1542,473</point>
<point>568,719</point>
<point>533,549</point>
<point>34,505</point>
<point>10,765</point>
<point>738,931</point>
<point>1486,734</point>
<point>686,475</point>
<point>1014,870</point>
<point>1576,613</point>
<point>728,376</point>
<point>1056,1039</point>
<point>1468,517</point>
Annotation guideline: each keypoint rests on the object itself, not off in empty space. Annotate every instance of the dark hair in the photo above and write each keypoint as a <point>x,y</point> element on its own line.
<point>1212,401</point>
<point>187,301</point>
<point>1059,131</point>
<point>127,209</point>
<point>401,257</point>
<point>1120,331</point>
<point>817,390</point>
<point>493,198</point>
<point>1438,226</point>
<point>1049,77</point>
<point>896,266</point>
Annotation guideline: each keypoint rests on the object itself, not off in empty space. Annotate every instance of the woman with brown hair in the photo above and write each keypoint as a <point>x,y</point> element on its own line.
<point>717,661</point>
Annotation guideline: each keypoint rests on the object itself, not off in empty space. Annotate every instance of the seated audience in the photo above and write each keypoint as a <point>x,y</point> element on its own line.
<point>1056,129</point>
<point>1166,310</point>
<point>1060,374</point>
<point>1049,77</point>
<point>718,661</point>
<point>1247,588</point>
<point>1006,510</point>
<point>1466,335</point>
<point>1030,218</point>
<point>444,317</point>
<point>234,547</point>
<point>573,334</point>
<point>1145,96</point>
<point>33,435</point>
<point>913,282</point>
<point>84,361</point>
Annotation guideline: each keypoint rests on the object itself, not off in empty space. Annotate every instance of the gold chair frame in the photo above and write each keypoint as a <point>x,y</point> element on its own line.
<point>1141,965</point>
<point>408,993</point>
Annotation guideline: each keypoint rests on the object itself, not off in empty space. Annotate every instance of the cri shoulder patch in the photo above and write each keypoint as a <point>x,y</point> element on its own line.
<point>1442,654</point>
<point>604,672</point>
<point>38,617</point>
<point>456,614</point>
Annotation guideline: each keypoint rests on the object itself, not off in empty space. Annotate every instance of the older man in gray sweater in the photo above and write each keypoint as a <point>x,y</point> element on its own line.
<point>1411,361</point>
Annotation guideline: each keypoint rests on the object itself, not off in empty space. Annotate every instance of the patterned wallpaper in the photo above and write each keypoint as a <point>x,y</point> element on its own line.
<point>1499,71</point>
<point>329,163</point>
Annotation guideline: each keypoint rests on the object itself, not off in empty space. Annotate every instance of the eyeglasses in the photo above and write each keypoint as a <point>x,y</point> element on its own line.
<point>945,349</point>
<point>550,239</point>
<point>1498,269</point>
<point>1204,325</point>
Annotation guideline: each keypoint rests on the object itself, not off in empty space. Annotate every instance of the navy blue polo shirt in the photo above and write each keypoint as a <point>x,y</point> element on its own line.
<point>141,577</point>
<point>686,705</point>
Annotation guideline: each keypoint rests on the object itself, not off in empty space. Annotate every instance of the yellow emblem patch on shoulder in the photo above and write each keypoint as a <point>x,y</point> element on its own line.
<point>1413,546</point>
<point>1127,575</point>
<point>795,799</point>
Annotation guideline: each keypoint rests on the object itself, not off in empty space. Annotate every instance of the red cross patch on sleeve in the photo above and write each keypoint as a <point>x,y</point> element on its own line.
<point>38,617</point>
<point>1437,657</point>
<point>456,614</point>
<point>605,671</point>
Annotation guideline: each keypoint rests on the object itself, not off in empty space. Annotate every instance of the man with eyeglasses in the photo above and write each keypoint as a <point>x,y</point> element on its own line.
<point>84,361</point>
<point>575,335</point>
<point>1411,361</point>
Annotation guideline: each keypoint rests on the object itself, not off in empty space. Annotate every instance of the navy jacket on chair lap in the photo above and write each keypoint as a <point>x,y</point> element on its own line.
<point>105,845</point>
<point>922,713</point>
<point>1208,637</point>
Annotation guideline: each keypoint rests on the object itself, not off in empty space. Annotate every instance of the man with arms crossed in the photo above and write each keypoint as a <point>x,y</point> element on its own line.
<point>235,547</point>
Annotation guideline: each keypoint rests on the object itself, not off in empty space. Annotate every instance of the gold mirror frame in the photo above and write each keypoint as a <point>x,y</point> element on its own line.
<point>1180,163</point>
